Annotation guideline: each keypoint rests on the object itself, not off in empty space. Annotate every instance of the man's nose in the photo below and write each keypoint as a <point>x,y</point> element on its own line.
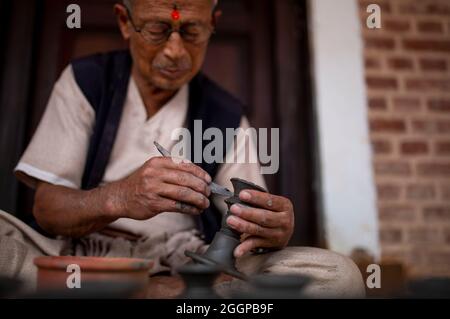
<point>174,48</point>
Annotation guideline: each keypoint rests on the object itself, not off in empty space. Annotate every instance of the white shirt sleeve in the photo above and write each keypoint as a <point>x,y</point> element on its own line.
<point>250,170</point>
<point>57,152</point>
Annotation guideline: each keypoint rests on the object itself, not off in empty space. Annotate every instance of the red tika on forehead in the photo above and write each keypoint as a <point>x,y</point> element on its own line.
<point>175,13</point>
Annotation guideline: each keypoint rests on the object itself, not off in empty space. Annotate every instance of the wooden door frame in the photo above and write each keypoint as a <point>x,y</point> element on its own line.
<point>296,120</point>
<point>17,60</point>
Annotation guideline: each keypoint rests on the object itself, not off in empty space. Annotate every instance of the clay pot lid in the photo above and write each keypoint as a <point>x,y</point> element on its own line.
<point>94,263</point>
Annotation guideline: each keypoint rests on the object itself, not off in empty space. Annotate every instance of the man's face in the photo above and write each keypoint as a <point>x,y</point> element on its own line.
<point>172,63</point>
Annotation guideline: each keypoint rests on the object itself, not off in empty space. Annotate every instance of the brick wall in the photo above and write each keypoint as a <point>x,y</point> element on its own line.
<point>408,85</point>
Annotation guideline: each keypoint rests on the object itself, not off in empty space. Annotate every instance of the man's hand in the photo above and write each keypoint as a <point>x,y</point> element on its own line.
<point>269,226</point>
<point>161,185</point>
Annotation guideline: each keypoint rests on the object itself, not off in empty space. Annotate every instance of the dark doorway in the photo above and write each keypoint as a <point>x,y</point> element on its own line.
<point>259,53</point>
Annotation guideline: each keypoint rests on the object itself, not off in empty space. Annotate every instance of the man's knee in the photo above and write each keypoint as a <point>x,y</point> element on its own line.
<point>347,281</point>
<point>332,274</point>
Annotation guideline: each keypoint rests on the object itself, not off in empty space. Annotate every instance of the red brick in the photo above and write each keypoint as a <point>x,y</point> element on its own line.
<point>396,25</point>
<point>428,84</point>
<point>391,235</point>
<point>430,27</point>
<point>414,148</point>
<point>420,191</point>
<point>399,213</point>
<point>395,254</point>
<point>439,259</point>
<point>381,146</point>
<point>409,120</point>
<point>387,125</point>
<point>424,7</point>
<point>445,190</point>
<point>372,63</point>
<point>428,64</point>
<point>383,83</point>
<point>443,148</point>
<point>447,236</point>
<point>424,235</point>
<point>437,213</point>
<point>431,126</point>
<point>439,105</point>
<point>400,63</point>
<point>388,192</point>
<point>392,168</point>
<point>434,169</point>
<point>428,262</point>
<point>415,257</point>
<point>377,103</point>
<point>384,6</point>
<point>426,45</point>
<point>406,104</point>
<point>379,43</point>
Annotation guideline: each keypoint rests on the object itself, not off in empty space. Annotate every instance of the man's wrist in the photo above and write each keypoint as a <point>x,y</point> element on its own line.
<point>114,204</point>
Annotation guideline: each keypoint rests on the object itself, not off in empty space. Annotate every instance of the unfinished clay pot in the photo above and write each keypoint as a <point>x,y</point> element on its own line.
<point>53,272</point>
<point>220,252</point>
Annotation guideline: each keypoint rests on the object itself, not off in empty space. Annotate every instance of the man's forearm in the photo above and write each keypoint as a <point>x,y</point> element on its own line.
<point>75,213</point>
<point>160,185</point>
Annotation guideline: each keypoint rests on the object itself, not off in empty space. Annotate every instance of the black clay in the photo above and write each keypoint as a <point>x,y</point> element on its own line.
<point>220,252</point>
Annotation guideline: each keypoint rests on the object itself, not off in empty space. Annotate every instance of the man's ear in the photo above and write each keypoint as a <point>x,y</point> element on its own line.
<point>216,16</point>
<point>122,20</point>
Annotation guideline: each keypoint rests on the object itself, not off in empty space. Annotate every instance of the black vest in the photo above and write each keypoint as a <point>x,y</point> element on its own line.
<point>103,79</point>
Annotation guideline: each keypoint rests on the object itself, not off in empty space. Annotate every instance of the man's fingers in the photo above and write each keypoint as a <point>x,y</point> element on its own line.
<point>170,205</point>
<point>247,227</point>
<point>184,195</point>
<point>183,178</point>
<point>168,162</point>
<point>249,244</point>
<point>265,200</point>
<point>259,216</point>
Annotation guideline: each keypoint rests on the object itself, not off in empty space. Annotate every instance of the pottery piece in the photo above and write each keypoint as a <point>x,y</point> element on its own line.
<point>53,272</point>
<point>220,252</point>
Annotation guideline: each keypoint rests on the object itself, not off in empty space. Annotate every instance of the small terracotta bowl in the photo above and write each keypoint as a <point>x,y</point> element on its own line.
<point>53,271</point>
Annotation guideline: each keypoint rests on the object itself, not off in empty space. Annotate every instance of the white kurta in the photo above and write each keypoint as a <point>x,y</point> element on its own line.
<point>57,151</point>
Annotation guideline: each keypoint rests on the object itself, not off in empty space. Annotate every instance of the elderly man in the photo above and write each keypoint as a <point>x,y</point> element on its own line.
<point>103,190</point>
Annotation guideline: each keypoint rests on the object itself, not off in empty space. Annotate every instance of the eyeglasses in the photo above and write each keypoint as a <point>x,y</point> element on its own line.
<point>157,33</point>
